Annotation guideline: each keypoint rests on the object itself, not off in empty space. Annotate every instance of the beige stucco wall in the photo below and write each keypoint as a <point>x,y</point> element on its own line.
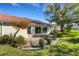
<point>11,30</point>
<point>23,32</point>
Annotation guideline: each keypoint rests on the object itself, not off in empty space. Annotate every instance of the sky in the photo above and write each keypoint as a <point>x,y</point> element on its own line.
<point>28,10</point>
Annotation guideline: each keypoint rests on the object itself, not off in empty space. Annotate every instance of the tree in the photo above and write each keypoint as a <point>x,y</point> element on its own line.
<point>61,14</point>
<point>76,14</point>
<point>20,25</point>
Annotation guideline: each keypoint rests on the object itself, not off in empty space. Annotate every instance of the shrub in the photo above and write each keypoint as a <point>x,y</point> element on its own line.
<point>49,41</point>
<point>68,28</point>
<point>13,43</point>
<point>8,39</point>
<point>19,41</point>
<point>55,32</point>
<point>4,39</point>
<point>41,43</point>
<point>31,43</point>
<point>1,40</point>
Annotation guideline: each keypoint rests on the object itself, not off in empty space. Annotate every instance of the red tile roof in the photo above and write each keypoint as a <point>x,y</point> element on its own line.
<point>9,18</point>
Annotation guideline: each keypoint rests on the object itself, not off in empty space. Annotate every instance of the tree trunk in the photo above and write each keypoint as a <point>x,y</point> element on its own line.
<point>16,33</point>
<point>62,27</point>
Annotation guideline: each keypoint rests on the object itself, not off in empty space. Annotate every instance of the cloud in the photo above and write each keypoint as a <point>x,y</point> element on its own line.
<point>35,4</point>
<point>15,4</point>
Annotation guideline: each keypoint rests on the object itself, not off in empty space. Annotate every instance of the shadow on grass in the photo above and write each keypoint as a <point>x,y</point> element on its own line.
<point>69,34</point>
<point>61,50</point>
<point>73,40</point>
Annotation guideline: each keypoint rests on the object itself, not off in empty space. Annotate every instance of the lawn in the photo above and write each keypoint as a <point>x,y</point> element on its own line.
<point>68,45</point>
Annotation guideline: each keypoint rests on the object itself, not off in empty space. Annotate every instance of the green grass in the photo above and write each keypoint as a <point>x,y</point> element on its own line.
<point>6,50</point>
<point>68,45</point>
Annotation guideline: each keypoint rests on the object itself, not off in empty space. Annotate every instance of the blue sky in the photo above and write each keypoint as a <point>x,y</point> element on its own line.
<point>28,10</point>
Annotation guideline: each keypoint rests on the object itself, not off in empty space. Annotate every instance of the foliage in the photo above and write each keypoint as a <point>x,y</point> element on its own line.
<point>41,43</point>
<point>18,41</point>
<point>68,45</point>
<point>31,43</point>
<point>55,32</point>
<point>5,39</point>
<point>20,25</point>
<point>1,39</point>
<point>49,41</point>
<point>54,13</point>
<point>8,39</point>
<point>68,28</point>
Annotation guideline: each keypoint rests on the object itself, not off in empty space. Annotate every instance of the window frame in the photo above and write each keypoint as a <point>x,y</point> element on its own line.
<point>37,29</point>
<point>44,29</point>
<point>29,30</point>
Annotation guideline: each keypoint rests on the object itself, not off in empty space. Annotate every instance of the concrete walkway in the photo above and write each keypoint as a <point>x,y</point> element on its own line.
<point>55,41</point>
<point>31,48</point>
<point>35,42</point>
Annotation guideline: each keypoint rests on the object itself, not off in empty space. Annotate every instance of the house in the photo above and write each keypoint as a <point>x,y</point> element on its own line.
<point>76,26</point>
<point>36,27</point>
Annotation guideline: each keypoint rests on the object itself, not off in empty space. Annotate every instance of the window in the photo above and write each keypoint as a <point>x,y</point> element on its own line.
<point>37,30</point>
<point>29,30</point>
<point>45,30</point>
